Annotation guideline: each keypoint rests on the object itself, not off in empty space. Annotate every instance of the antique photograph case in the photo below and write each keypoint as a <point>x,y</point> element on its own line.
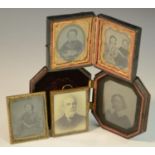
<point>27,117</point>
<point>69,40</point>
<point>84,39</point>
<point>119,106</point>
<point>47,81</point>
<point>69,111</point>
<point>117,47</point>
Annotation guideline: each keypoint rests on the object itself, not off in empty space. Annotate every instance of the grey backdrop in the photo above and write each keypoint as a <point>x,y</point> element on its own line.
<point>22,52</point>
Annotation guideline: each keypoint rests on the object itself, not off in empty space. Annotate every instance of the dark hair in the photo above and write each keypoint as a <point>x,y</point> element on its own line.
<point>72,30</point>
<point>112,36</point>
<point>125,40</point>
<point>71,96</point>
<point>120,97</point>
<point>30,104</point>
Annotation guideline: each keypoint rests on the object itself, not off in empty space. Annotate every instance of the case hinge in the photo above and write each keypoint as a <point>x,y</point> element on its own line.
<point>91,83</point>
<point>91,86</point>
<point>91,105</point>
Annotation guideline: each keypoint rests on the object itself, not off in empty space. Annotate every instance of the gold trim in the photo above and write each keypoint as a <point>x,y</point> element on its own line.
<point>10,100</point>
<point>91,84</point>
<point>86,57</point>
<point>100,62</point>
<point>91,105</point>
<point>67,85</point>
<point>52,94</point>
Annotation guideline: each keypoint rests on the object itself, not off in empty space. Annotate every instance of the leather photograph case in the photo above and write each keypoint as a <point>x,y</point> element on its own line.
<point>119,106</point>
<point>69,40</point>
<point>59,81</point>
<point>84,39</point>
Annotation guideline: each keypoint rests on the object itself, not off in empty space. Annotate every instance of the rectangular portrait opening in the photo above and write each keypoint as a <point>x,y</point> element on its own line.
<point>69,40</point>
<point>117,47</point>
<point>69,110</point>
<point>27,117</point>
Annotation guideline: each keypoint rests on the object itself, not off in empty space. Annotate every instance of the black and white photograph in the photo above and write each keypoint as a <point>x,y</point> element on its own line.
<point>70,42</point>
<point>120,104</point>
<point>28,118</point>
<point>70,111</point>
<point>116,51</point>
<point>118,47</point>
<point>70,39</point>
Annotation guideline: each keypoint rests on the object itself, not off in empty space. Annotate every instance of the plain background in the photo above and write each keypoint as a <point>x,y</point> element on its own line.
<point>22,55</point>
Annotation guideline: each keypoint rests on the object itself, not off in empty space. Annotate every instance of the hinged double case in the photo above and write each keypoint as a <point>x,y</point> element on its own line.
<point>118,106</point>
<point>84,39</point>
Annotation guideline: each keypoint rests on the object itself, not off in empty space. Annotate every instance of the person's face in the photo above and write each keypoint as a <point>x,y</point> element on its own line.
<point>28,108</point>
<point>112,42</point>
<point>118,105</point>
<point>70,107</point>
<point>72,36</point>
<point>125,44</point>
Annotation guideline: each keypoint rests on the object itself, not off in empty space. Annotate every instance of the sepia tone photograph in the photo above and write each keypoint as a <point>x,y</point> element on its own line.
<point>70,40</point>
<point>118,47</point>
<point>119,104</point>
<point>27,117</point>
<point>69,111</point>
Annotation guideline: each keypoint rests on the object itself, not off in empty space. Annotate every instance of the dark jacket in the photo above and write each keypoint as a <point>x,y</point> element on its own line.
<point>64,123</point>
<point>121,121</point>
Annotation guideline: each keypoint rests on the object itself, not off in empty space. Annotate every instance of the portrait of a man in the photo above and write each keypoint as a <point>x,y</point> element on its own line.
<point>115,115</point>
<point>69,111</point>
<point>70,118</point>
<point>72,46</point>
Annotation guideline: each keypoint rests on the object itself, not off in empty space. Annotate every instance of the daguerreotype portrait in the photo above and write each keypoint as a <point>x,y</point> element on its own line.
<point>69,40</point>
<point>118,47</point>
<point>27,117</point>
<point>69,111</point>
<point>121,106</point>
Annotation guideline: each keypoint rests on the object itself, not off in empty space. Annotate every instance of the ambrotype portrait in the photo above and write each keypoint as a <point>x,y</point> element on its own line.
<point>116,51</point>
<point>118,47</point>
<point>119,104</point>
<point>70,41</point>
<point>70,111</point>
<point>27,117</point>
